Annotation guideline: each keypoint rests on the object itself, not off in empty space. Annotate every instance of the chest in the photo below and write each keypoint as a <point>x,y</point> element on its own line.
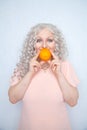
<point>44,88</point>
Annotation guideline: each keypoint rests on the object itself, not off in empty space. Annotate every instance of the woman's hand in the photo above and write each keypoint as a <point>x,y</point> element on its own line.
<point>34,64</point>
<point>55,64</point>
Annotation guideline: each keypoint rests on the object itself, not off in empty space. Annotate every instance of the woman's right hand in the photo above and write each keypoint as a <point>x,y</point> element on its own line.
<point>34,66</point>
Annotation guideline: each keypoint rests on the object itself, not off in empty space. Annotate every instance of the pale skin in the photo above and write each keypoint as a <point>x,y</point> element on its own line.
<point>44,39</point>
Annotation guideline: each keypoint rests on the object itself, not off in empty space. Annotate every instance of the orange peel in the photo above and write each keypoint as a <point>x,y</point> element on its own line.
<point>45,54</point>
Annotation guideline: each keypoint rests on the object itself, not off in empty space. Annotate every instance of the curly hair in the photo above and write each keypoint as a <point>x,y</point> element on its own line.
<point>28,50</point>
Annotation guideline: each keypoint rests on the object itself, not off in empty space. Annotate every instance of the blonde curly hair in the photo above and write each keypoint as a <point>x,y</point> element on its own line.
<point>28,50</point>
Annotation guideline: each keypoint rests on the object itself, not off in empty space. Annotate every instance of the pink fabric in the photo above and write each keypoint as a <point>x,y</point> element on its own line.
<point>69,73</point>
<point>43,103</point>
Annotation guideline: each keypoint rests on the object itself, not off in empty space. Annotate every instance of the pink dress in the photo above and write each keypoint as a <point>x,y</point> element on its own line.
<point>43,104</point>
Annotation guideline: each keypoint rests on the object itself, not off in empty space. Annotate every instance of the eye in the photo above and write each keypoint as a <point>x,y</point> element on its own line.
<point>39,40</point>
<point>50,40</point>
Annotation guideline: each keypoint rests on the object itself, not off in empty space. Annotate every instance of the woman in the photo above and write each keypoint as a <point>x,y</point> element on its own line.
<point>44,86</point>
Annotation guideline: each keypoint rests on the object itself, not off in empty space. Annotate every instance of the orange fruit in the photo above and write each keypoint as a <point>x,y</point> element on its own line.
<point>45,54</point>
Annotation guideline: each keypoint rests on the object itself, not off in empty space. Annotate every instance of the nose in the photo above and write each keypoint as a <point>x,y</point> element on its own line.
<point>44,44</point>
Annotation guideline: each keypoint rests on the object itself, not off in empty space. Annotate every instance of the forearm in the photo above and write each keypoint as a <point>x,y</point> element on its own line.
<point>70,93</point>
<point>17,91</point>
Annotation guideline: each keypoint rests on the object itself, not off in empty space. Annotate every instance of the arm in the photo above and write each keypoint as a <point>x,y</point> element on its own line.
<point>17,91</point>
<point>70,93</point>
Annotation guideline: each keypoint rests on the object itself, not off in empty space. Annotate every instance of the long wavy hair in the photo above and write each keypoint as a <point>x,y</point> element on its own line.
<point>29,51</point>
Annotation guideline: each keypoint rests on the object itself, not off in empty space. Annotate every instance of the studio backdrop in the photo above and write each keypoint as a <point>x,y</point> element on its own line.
<point>16,19</point>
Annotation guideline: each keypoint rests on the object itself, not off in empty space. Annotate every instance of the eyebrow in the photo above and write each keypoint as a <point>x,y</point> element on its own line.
<point>47,37</point>
<point>51,37</point>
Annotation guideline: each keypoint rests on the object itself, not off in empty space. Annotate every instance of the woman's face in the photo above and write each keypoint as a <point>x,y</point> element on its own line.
<point>45,39</point>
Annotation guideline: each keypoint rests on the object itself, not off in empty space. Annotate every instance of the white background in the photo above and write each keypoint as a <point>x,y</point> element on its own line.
<point>16,18</point>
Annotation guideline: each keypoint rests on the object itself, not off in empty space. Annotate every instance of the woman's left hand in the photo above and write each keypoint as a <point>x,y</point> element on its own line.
<point>55,64</point>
